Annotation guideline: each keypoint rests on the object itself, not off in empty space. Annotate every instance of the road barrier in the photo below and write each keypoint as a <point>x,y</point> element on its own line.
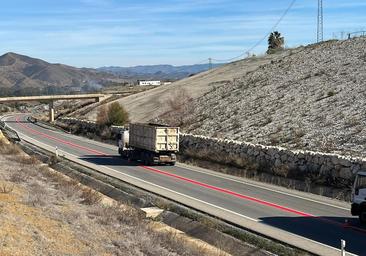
<point>8,132</point>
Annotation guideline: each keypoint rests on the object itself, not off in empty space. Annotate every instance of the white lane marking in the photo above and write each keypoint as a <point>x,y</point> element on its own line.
<point>181,194</point>
<point>325,245</point>
<point>249,184</point>
<point>192,198</point>
<point>82,139</point>
<point>263,187</point>
<point>46,146</point>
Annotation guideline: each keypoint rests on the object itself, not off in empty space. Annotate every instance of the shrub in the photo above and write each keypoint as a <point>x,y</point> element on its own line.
<point>19,176</point>
<point>181,106</point>
<point>282,170</point>
<point>6,188</point>
<point>28,160</point>
<point>102,118</point>
<point>331,93</point>
<point>90,196</point>
<point>9,149</point>
<point>117,115</point>
<point>352,121</point>
<point>38,195</point>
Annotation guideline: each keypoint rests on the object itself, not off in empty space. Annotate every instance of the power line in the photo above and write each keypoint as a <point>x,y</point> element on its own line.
<point>319,36</point>
<point>202,61</point>
<point>265,36</point>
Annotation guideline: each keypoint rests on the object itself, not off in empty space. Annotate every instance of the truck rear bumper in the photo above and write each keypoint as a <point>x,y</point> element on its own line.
<point>164,159</point>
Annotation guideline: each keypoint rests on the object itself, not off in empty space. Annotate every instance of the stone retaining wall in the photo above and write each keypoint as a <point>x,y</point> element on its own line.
<point>84,124</point>
<point>321,168</point>
<point>315,168</point>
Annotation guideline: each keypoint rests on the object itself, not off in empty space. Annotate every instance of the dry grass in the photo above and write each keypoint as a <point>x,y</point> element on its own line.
<point>90,197</point>
<point>28,160</point>
<point>5,187</point>
<point>179,107</point>
<point>19,176</point>
<point>37,195</point>
<point>9,149</point>
<point>46,213</point>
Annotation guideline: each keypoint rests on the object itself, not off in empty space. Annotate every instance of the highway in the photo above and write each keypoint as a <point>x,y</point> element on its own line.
<point>311,222</point>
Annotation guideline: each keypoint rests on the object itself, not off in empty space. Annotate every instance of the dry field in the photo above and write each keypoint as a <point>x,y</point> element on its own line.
<point>45,213</point>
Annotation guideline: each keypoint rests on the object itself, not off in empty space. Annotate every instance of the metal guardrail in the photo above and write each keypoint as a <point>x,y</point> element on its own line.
<point>8,132</point>
<point>2,125</point>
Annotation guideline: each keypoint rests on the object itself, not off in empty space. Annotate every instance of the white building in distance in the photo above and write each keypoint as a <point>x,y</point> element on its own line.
<point>142,82</point>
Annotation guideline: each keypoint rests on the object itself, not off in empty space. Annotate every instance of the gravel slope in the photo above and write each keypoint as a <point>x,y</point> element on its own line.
<point>313,98</point>
<point>153,103</point>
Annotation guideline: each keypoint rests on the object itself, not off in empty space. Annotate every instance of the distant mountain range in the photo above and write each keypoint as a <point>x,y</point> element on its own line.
<point>157,72</point>
<point>24,75</point>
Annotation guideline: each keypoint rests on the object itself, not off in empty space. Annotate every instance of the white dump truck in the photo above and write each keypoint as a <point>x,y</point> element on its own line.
<point>358,207</point>
<point>149,143</point>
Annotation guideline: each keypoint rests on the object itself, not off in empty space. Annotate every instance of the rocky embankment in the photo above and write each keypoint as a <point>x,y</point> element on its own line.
<point>312,98</point>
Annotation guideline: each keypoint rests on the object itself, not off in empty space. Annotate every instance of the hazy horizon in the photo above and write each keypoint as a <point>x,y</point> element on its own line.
<point>97,33</point>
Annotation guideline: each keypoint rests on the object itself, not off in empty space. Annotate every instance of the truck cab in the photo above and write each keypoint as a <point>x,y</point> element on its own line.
<point>359,197</point>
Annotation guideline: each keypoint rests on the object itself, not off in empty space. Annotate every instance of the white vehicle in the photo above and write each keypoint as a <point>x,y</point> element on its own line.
<point>149,143</point>
<point>359,197</point>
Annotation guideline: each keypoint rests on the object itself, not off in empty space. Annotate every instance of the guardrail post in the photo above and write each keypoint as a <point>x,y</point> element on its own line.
<point>343,248</point>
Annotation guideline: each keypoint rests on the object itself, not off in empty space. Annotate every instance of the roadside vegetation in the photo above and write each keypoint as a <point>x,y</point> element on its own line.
<point>276,42</point>
<point>43,212</point>
<point>114,114</point>
<point>180,105</point>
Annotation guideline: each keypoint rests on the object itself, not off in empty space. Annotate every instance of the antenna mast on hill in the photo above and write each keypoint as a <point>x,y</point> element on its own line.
<point>209,63</point>
<point>320,21</point>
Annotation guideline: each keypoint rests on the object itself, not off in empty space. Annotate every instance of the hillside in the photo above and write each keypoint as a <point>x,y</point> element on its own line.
<point>158,72</point>
<point>18,72</point>
<point>310,98</point>
<point>313,98</point>
<point>153,103</point>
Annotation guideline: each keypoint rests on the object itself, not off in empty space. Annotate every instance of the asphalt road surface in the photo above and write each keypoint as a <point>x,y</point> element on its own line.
<point>303,220</point>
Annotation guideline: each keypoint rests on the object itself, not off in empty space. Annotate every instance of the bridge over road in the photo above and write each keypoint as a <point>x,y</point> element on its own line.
<point>51,99</point>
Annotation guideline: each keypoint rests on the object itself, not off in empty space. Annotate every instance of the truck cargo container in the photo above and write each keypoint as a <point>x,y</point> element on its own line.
<point>149,143</point>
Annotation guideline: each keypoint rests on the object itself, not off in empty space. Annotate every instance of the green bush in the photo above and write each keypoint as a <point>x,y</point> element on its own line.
<point>117,115</point>
<point>114,114</point>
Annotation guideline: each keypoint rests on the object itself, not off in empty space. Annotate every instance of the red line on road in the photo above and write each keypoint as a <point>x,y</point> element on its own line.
<point>256,200</point>
<point>229,192</point>
<point>226,191</point>
<point>57,139</point>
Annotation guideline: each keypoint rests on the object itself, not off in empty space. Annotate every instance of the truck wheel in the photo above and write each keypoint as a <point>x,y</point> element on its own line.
<point>362,216</point>
<point>145,159</point>
<point>172,163</point>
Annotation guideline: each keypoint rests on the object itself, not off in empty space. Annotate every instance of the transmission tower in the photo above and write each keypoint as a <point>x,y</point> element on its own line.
<point>320,21</point>
<point>209,63</point>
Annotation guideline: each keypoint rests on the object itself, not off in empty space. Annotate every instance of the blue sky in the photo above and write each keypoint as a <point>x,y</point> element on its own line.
<point>94,33</point>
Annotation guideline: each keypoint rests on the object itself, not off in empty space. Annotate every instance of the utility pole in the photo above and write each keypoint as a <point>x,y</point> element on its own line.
<point>320,22</point>
<point>209,63</point>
